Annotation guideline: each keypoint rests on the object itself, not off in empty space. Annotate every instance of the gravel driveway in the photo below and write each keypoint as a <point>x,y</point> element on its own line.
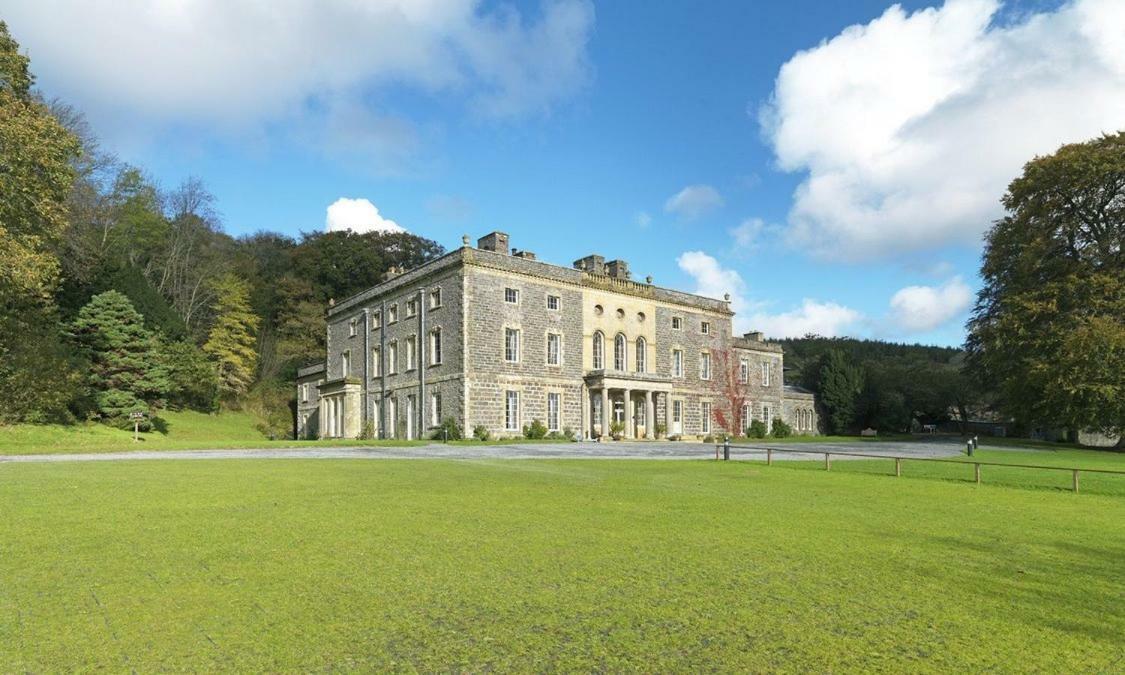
<point>623,450</point>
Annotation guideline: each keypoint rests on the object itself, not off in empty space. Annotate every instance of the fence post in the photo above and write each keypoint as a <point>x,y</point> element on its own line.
<point>898,467</point>
<point>1075,481</point>
<point>827,462</point>
<point>716,453</point>
<point>769,457</point>
<point>726,450</point>
<point>976,472</point>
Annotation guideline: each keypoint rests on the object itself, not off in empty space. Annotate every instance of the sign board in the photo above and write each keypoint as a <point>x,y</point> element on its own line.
<point>136,416</point>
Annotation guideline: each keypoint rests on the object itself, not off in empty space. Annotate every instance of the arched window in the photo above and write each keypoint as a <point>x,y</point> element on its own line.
<point>599,351</point>
<point>619,352</point>
<point>642,355</point>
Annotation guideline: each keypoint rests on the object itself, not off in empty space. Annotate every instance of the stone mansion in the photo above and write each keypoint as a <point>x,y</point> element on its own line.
<point>494,337</point>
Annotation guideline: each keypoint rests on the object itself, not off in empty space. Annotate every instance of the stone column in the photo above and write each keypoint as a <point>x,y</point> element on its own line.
<point>321,418</point>
<point>330,426</point>
<point>629,421</point>
<point>650,417</point>
<point>606,412</point>
<point>668,412</point>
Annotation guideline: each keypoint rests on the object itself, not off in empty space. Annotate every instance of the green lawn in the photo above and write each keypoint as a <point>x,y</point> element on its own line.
<point>550,565</point>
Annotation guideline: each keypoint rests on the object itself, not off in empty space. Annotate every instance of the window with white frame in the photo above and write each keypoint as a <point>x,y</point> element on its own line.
<point>346,363</point>
<point>376,362</point>
<point>677,363</point>
<point>435,298</point>
<point>411,352</point>
<point>554,349</point>
<point>435,409</point>
<point>411,308</point>
<point>512,410</point>
<point>392,358</point>
<point>511,295</point>
<point>554,400</point>
<point>744,371</point>
<point>766,374</point>
<point>677,323</point>
<point>305,393</point>
<point>619,352</point>
<point>705,416</point>
<point>376,318</point>
<point>392,417</point>
<point>705,327</point>
<point>704,366</point>
<point>392,313</point>
<point>641,357</point>
<point>552,302</point>
<point>512,345</point>
<point>435,346</point>
<point>767,416</point>
<point>352,327</point>
<point>598,351</point>
<point>746,412</point>
<point>377,421</point>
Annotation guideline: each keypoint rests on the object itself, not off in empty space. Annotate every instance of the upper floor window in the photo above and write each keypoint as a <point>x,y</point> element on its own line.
<point>352,327</point>
<point>677,363</point>
<point>392,313</point>
<point>599,351</point>
<point>552,302</point>
<point>376,362</point>
<point>304,392</point>
<point>512,345</point>
<point>411,352</point>
<point>376,319</point>
<point>677,323</point>
<point>554,349</point>
<point>411,308</point>
<point>766,374</point>
<point>705,327</point>
<point>392,358</point>
<point>619,352</point>
<point>435,298</point>
<point>435,346</point>
<point>641,356</point>
<point>346,363</point>
<point>744,371</point>
<point>704,366</point>
<point>511,295</point>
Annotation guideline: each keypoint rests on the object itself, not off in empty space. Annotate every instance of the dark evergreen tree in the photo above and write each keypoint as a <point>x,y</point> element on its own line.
<point>839,385</point>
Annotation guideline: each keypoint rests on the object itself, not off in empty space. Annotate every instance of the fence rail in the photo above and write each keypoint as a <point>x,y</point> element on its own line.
<point>899,459</point>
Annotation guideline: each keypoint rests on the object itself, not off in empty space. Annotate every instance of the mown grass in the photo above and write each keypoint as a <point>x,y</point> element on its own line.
<point>549,565</point>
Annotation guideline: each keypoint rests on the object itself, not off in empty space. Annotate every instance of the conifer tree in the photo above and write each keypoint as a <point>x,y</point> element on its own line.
<point>840,385</point>
<point>231,340</point>
<point>126,372</point>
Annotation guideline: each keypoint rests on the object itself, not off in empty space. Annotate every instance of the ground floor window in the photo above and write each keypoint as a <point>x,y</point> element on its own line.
<point>376,421</point>
<point>512,411</point>
<point>705,415</point>
<point>767,416</point>
<point>435,409</point>
<point>746,408</point>
<point>553,405</point>
<point>392,417</point>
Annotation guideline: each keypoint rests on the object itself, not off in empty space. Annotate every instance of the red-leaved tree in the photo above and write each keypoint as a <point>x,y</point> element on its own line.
<point>731,386</point>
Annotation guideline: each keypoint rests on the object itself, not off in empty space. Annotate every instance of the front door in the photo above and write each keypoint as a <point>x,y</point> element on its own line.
<point>677,417</point>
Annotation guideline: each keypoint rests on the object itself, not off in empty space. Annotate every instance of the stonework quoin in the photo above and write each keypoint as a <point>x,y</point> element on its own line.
<point>494,337</point>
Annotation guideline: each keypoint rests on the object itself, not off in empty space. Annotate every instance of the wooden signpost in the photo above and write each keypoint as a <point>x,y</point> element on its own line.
<point>136,417</point>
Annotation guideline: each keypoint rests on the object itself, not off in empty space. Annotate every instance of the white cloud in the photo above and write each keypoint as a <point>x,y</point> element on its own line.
<point>747,232</point>
<point>642,219</point>
<point>357,215</point>
<point>812,317</point>
<point>911,127</point>
<point>694,201</point>
<point>917,309</point>
<point>713,280</point>
<point>241,65</point>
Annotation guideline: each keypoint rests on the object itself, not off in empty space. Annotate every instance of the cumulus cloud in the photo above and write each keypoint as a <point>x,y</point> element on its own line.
<point>239,63</point>
<point>910,127</point>
<point>694,201</point>
<point>357,215</point>
<point>747,232</point>
<point>713,280</point>
<point>916,309</point>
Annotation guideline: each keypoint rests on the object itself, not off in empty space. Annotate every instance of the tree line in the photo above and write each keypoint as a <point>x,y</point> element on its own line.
<point>118,295</point>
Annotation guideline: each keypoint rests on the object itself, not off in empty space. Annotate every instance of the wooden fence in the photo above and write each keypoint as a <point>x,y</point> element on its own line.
<point>769,452</point>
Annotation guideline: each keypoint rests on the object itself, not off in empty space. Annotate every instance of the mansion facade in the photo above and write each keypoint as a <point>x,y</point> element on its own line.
<point>492,337</point>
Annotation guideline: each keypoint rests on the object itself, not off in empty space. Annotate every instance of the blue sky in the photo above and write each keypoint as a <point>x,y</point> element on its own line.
<point>833,165</point>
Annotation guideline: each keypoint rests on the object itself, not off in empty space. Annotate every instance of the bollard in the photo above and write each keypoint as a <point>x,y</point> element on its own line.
<point>769,457</point>
<point>969,447</point>
<point>1075,478</point>
<point>898,467</point>
<point>726,450</point>
<point>827,462</point>
<point>976,472</point>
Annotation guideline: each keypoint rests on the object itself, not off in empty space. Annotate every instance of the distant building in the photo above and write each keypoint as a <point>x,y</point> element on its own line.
<point>494,337</point>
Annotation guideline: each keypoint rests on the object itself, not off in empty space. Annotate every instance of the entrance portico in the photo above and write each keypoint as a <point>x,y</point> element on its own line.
<point>628,398</point>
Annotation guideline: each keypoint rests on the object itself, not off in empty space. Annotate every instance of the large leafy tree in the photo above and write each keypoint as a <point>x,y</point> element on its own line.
<point>841,383</point>
<point>1048,330</point>
<point>231,340</point>
<point>126,371</point>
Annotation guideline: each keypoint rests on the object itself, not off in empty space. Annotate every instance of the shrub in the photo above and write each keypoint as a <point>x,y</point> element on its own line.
<point>481,433</point>
<point>567,432</point>
<point>757,429</point>
<point>781,429</point>
<point>448,430</point>
<point>617,430</point>
<point>660,429</point>
<point>535,430</point>
<point>708,439</point>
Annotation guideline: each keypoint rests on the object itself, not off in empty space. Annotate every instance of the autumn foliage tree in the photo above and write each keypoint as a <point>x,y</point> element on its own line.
<point>730,384</point>
<point>231,341</point>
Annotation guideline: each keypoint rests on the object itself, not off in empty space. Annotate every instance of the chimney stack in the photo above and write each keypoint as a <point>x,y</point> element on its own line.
<point>496,242</point>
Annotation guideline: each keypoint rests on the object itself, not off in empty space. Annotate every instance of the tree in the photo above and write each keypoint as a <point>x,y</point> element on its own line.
<point>126,371</point>
<point>231,339</point>
<point>1048,329</point>
<point>193,380</point>
<point>731,390</point>
<point>840,385</point>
